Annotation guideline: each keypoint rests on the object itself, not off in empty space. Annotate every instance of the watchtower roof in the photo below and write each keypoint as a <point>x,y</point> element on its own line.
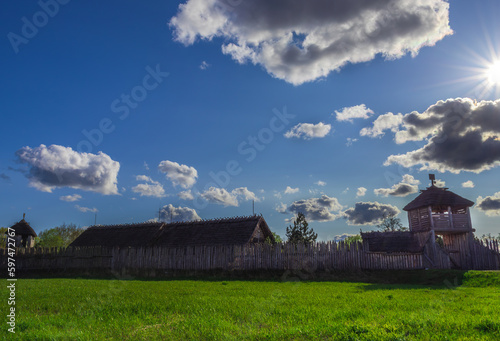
<point>23,228</point>
<point>436,196</point>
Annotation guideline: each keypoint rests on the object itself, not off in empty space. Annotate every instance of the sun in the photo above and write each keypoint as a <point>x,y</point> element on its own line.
<point>493,73</point>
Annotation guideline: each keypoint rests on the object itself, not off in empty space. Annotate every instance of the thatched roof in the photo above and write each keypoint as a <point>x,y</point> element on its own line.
<point>435,196</point>
<point>133,235</point>
<point>227,231</point>
<point>23,228</point>
<point>392,242</point>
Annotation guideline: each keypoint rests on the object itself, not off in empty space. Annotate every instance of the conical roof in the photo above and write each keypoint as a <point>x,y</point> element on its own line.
<point>435,196</point>
<point>23,228</point>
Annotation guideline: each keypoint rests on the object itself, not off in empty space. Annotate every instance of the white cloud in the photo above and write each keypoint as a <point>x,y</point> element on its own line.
<point>150,189</point>
<point>301,41</point>
<point>320,183</point>
<point>186,195</point>
<point>154,189</point>
<point>317,209</point>
<point>468,184</point>
<point>350,141</point>
<point>281,208</point>
<point>350,113</point>
<point>406,187</point>
<point>361,192</point>
<point>143,178</point>
<point>384,122</point>
<point>182,175</point>
<point>490,204</point>
<point>308,131</point>
<point>169,213</point>
<point>57,166</point>
<point>460,135</point>
<point>290,190</point>
<point>86,209</point>
<point>71,198</point>
<point>244,193</point>
<point>369,213</point>
<point>439,183</point>
<point>204,65</point>
<point>222,197</point>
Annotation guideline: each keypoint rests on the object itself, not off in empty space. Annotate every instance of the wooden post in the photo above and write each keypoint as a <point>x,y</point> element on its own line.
<point>429,209</point>
<point>433,246</point>
<point>470,219</point>
<point>450,217</point>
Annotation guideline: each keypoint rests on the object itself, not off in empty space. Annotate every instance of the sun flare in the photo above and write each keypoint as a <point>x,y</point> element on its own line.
<point>493,73</point>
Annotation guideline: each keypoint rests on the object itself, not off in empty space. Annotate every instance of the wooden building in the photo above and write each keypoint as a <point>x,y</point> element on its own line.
<point>435,213</point>
<point>225,231</point>
<point>24,233</point>
<point>447,215</point>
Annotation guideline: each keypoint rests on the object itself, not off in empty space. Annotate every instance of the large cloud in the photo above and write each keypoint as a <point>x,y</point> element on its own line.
<point>490,204</point>
<point>182,175</point>
<point>308,131</point>
<point>349,113</point>
<point>58,166</point>
<point>300,41</point>
<point>369,213</point>
<point>316,209</point>
<point>461,135</point>
<point>149,189</point>
<point>169,213</point>
<point>221,196</point>
<point>406,187</point>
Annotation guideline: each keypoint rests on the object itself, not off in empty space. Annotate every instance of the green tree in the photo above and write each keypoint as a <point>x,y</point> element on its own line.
<point>60,236</point>
<point>391,224</point>
<point>277,239</point>
<point>353,239</point>
<point>300,231</point>
<point>3,236</point>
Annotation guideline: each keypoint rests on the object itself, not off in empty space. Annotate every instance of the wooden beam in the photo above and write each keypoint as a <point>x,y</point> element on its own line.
<point>450,216</point>
<point>429,209</point>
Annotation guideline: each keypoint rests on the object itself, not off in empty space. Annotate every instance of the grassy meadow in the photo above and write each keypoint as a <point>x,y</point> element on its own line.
<point>460,307</point>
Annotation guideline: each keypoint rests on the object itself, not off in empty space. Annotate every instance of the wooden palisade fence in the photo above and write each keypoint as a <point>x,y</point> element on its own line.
<point>311,257</point>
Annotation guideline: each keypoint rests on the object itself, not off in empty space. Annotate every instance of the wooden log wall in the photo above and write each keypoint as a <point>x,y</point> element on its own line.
<point>485,254</point>
<point>311,257</point>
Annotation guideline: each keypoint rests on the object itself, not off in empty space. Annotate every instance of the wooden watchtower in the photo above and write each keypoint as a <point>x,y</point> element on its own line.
<point>447,215</point>
<point>24,234</point>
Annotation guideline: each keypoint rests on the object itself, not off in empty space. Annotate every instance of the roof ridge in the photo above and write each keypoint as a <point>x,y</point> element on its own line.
<point>146,223</point>
<point>152,223</point>
<point>212,220</point>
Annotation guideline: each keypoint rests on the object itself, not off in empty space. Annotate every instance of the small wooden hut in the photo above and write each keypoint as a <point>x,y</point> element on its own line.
<point>444,214</point>
<point>24,233</point>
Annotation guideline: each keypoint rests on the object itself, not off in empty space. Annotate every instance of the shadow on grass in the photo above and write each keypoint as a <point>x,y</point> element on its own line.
<point>380,279</point>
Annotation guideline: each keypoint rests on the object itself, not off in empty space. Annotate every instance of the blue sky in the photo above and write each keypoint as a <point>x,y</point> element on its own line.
<point>197,108</point>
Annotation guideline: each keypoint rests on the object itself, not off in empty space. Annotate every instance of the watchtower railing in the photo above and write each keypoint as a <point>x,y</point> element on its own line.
<point>453,221</point>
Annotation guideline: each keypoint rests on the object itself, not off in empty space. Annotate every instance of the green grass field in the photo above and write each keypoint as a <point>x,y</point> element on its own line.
<point>465,308</point>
